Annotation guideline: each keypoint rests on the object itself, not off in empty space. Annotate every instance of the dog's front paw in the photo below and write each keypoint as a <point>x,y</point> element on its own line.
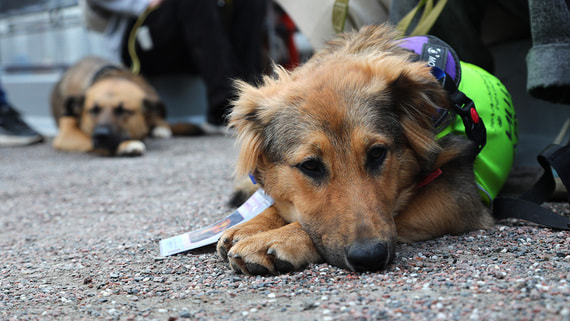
<point>234,235</point>
<point>281,250</point>
<point>161,132</point>
<point>131,148</point>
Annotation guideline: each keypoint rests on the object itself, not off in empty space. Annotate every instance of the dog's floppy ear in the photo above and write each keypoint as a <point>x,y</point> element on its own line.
<point>246,118</point>
<point>73,106</point>
<point>154,107</point>
<point>416,96</point>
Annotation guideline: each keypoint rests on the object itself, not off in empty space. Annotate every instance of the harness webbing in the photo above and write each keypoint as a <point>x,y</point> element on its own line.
<point>465,108</point>
<point>527,206</point>
<point>491,166</point>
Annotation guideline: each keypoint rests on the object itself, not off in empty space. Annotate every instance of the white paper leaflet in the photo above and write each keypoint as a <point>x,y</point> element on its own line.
<point>256,204</point>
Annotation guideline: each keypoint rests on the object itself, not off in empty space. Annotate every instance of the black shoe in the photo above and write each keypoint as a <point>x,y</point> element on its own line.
<point>14,131</point>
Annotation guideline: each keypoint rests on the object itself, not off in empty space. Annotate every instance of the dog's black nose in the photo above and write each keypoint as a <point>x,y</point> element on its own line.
<point>105,138</point>
<point>368,255</point>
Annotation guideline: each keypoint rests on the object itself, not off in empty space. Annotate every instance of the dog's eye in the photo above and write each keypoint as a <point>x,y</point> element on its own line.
<point>120,111</point>
<point>311,165</point>
<point>96,110</point>
<point>375,157</point>
<point>314,168</point>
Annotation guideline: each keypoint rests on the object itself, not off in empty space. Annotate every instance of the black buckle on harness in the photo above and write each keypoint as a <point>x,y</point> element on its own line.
<point>465,108</point>
<point>474,127</point>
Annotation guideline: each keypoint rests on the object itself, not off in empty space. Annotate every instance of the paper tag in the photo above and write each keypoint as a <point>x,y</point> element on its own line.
<point>144,38</point>
<point>256,204</point>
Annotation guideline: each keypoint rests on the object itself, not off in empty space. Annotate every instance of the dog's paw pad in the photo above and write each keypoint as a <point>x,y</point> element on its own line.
<point>161,132</point>
<point>256,269</point>
<point>236,268</point>
<point>131,148</point>
<point>230,238</point>
<point>224,245</point>
<point>222,252</point>
<point>240,265</point>
<point>283,266</point>
<point>236,263</point>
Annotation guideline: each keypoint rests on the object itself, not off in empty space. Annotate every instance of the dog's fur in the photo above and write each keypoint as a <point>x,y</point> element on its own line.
<point>103,108</point>
<point>342,144</point>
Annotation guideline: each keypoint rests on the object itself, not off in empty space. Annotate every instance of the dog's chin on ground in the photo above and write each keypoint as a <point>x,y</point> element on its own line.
<point>369,254</point>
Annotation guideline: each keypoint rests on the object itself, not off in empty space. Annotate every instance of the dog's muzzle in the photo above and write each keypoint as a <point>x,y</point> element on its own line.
<point>104,137</point>
<point>369,255</point>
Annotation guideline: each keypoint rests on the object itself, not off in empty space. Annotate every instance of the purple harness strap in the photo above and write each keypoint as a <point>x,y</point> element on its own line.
<point>445,64</point>
<point>436,53</point>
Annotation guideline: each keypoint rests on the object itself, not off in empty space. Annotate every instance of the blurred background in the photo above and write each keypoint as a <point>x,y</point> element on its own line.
<point>39,39</point>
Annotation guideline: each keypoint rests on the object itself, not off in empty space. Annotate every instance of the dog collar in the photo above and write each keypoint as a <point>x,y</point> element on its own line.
<point>252,178</point>
<point>429,178</point>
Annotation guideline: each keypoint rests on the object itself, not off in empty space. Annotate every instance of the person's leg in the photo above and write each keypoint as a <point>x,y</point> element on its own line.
<point>168,53</point>
<point>3,99</point>
<point>459,25</point>
<point>212,54</point>
<point>547,61</point>
<point>188,36</point>
<point>247,28</point>
<point>13,130</point>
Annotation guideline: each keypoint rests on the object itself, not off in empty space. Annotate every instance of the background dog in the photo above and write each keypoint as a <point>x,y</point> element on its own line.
<point>104,108</point>
<point>342,144</point>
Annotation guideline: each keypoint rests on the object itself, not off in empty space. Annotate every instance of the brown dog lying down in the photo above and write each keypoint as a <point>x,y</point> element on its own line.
<point>104,108</point>
<point>341,144</point>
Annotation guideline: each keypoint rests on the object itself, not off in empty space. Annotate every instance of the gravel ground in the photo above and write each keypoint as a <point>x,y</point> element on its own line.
<point>79,241</point>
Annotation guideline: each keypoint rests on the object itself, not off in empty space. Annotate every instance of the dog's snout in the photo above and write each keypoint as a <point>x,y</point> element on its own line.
<point>105,138</point>
<point>369,255</point>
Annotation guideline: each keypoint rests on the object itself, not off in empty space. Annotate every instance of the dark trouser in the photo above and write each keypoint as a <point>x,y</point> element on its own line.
<point>3,99</point>
<point>459,25</point>
<point>198,36</point>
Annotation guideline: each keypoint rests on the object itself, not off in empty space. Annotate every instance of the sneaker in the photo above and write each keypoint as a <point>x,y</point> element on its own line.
<point>14,131</point>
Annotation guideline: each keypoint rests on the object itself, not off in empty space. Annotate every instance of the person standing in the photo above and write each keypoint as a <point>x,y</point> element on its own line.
<point>219,40</point>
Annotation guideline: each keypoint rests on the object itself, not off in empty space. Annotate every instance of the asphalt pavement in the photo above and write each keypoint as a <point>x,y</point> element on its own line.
<point>79,241</point>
